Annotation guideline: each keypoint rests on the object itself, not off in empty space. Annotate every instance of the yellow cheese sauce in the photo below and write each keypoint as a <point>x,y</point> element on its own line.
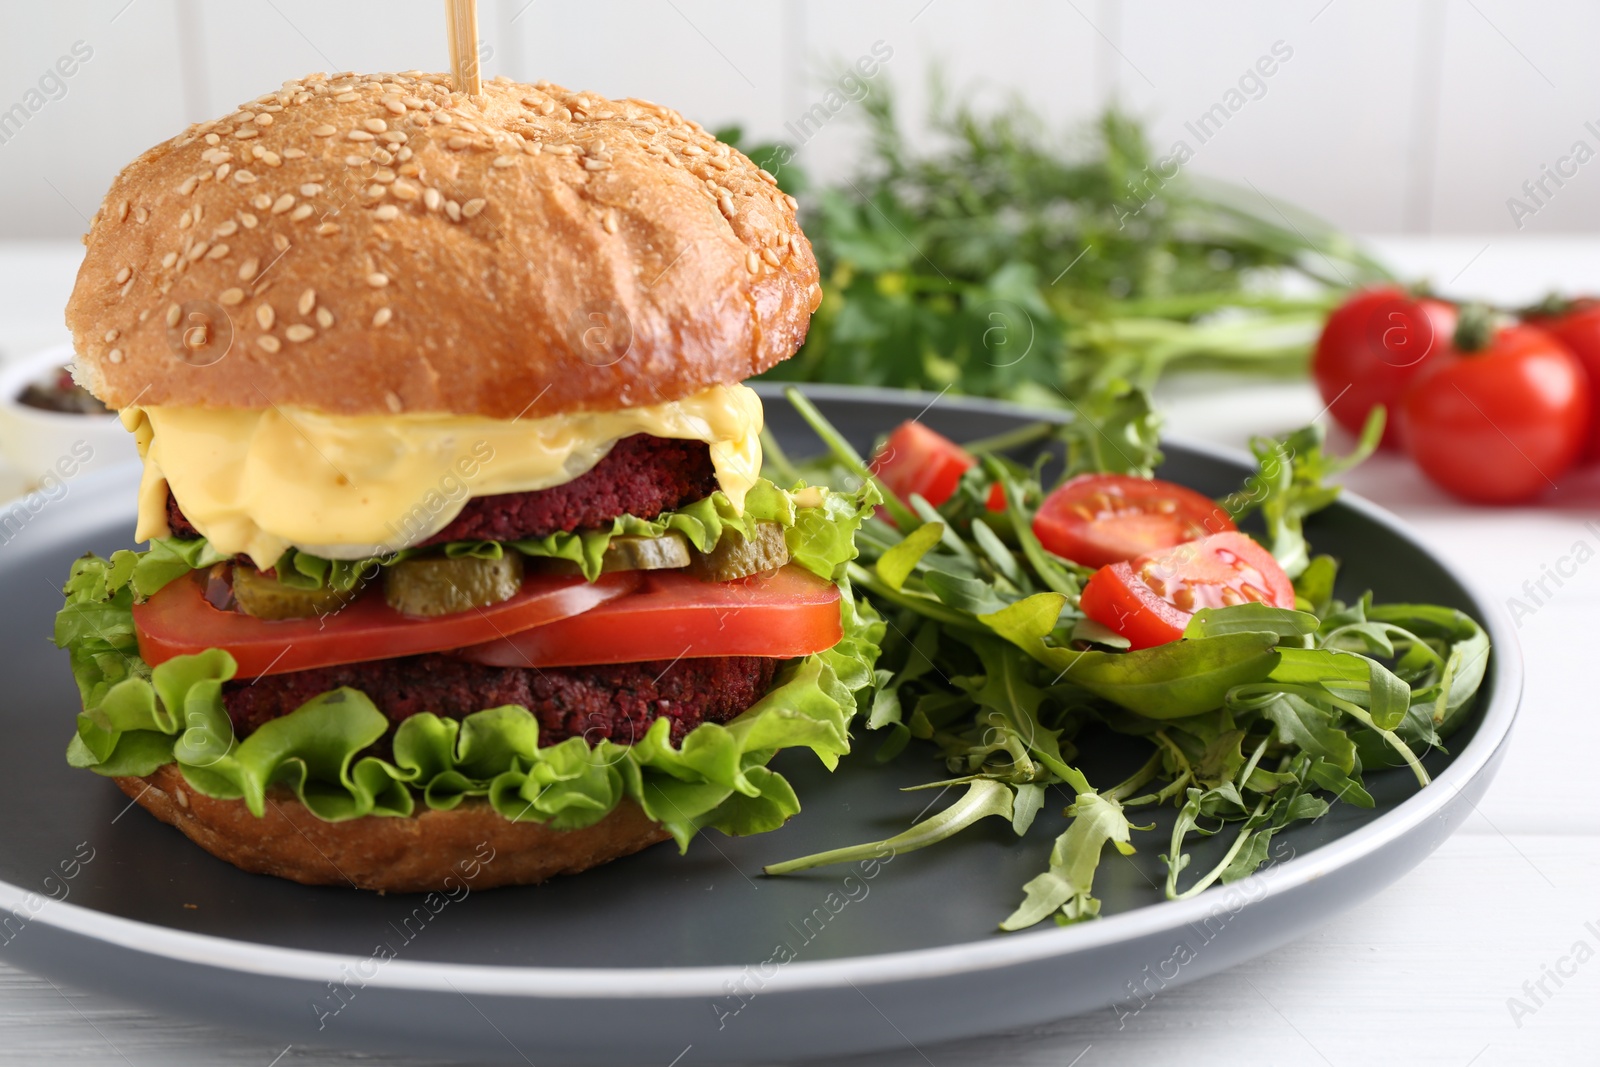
<point>351,486</point>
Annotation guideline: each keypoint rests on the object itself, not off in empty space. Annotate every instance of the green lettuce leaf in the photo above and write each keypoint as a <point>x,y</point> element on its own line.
<point>136,719</point>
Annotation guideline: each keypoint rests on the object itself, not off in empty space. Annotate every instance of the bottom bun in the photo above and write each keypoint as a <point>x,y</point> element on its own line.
<point>431,850</point>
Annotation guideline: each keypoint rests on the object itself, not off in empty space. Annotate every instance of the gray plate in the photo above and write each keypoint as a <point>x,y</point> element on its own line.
<point>637,961</point>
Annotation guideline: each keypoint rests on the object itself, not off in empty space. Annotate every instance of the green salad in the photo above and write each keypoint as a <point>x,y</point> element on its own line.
<point>1257,718</point>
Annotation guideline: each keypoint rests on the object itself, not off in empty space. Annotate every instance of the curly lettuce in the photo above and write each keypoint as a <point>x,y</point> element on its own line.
<point>136,719</point>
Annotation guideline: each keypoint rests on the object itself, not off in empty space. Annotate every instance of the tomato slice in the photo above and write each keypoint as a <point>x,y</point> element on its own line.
<point>1150,600</point>
<point>179,620</point>
<point>789,613</point>
<point>1096,519</point>
<point>915,459</point>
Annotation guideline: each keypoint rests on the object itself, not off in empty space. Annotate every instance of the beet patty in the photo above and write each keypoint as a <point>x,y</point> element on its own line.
<point>641,475</point>
<point>615,701</point>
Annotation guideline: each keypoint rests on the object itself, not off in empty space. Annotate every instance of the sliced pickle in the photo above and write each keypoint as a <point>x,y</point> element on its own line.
<point>438,585</point>
<point>265,597</point>
<point>736,556</point>
<point>627,552</point>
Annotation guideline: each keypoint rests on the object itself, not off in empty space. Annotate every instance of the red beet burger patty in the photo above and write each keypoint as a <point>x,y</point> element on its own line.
<point>641,475</point>
<point>616,701</point>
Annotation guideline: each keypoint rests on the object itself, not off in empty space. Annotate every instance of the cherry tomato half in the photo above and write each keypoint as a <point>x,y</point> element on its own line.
<point>1150,600</point>
<point>1096,519</point>
<point>789,613</point>
<point>1373,345</point>
<point>1499,425</point>
<point>915,459</point>
<point>179,620</point>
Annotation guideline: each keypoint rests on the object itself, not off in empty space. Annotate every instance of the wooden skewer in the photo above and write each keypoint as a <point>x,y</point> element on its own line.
<point>462,16</point>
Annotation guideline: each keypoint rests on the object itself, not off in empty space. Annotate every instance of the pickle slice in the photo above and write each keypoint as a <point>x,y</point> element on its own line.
<point>736,556</point>
<point>265,597</point>
<point>438,585</point>
<point>628,553</point>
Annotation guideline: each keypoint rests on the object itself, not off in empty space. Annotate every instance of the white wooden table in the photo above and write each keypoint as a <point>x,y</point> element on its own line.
<point>1422,974</point>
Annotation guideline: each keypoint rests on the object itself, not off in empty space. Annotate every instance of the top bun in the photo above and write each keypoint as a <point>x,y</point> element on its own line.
<point>375,244</point>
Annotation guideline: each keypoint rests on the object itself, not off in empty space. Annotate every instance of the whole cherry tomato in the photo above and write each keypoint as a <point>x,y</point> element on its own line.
<point>1500,413</point>
<point>1373,345</point>
<point>1576,324</point>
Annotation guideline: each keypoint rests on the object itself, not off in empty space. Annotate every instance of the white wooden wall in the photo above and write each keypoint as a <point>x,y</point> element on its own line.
<point>1388,116</point>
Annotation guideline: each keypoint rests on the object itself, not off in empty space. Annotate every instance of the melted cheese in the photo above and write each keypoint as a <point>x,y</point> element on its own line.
<point>347,487</point>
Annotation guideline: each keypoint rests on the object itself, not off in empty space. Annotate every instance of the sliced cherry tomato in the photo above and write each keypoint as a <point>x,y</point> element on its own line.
<point>1577,326</point>
<point>1096,519</point>
<point>915,459</point>
<point>1150,600</point>
<point>1498,418</point>
<point>789,613</point>
<point>1373,345</point>
<point>179,620</point>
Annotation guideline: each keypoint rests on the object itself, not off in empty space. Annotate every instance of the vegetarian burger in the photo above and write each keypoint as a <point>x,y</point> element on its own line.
<point>458,541</point>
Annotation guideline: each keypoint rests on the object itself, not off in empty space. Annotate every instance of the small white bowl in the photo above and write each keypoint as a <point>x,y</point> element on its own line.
<point>45,447</point>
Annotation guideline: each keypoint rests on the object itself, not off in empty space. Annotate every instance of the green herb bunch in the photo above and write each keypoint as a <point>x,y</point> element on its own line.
<point>1010,262</point>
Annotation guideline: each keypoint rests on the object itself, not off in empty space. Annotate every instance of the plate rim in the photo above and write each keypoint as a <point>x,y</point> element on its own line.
<point>1501,706</point>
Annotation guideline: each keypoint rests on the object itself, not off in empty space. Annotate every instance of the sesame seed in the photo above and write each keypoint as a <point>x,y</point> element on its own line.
<point>382,316</point>
<point>283,203</point>
<point>327,228</point>
<point>115,355</point>
<point>505,161</point>
<point>431,199</point>
<point>725,203</point>
<point>375,125</point>
<point>377,190</point>
<point>244,133</point>
<point>752,262</point>
<point>770,256</point>
<point>271,159</point>
<point>299,332</point>
<point>358,135</point>
<point>227,229</point>
<point>188,185</point>
<point>169,259</point>
<point>471,208</point>
<point>229,297</point>
<point>243,177</point>
<point>217,252</point>
<point>265,316</point>
<point>280,242</point>
<point>112,335</point>
<point>452,209</point>
<point>394,402</point>
<point>377,279</point>
<point>767,177</point>
<point>354,161</point>
<point>387,213</point>
<point>264,120</point>
<point>268,343</point>
<point>213,139</point>
<point>174,313</point>
<point>122,211</point>
<point>307,301</point>
<point>293,153</point>
<point>384,175</point>
<point>247,220</point>
<point>791,201</point>
<point>125,288</point>
<point>345,98</point>
<point>405,191</point>
<point>261,201</point>
<point>124,274</point>
<point>324,130</point>
<point>395,107</point>
<point>610,222</point>
<point>310,189</point>
<point>458,142</point>
<point>140,215</point>
<point>324,318</point>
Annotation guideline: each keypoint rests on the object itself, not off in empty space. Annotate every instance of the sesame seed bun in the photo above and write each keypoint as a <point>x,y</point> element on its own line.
<point>371,244</point>
<point>431,850</point>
